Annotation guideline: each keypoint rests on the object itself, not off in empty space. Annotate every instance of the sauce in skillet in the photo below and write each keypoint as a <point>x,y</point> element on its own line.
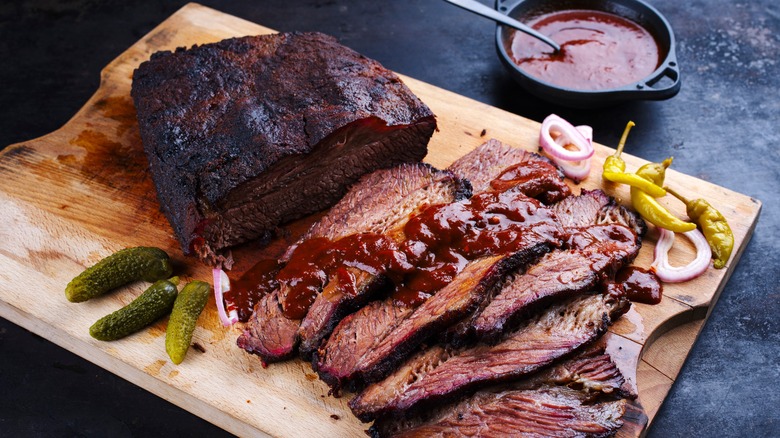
<point>599,50</point>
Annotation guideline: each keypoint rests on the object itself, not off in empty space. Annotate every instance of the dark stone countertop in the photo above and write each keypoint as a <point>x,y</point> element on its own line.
<point>722,127</point>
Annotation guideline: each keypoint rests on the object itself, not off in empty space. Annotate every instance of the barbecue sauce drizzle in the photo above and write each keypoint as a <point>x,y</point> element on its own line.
<point>640,285</point>
<point>437,244</point>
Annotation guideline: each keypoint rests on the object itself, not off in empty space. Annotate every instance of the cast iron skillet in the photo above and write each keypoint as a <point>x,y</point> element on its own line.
<point>663,83</point>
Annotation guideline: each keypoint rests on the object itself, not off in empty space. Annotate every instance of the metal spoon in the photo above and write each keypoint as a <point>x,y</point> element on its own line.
<point>480,9</point>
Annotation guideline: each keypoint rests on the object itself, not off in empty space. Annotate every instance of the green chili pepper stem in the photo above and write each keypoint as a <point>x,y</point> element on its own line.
<point>678,196</point>
<point>174,280</point>
<point>623,138</point>
<point>713,225</point>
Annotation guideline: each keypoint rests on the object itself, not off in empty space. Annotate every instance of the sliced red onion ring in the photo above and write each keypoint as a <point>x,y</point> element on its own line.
<point>569,135</point>
<point>676,274</point>
<point>576,170</point>
<point>222,285</point>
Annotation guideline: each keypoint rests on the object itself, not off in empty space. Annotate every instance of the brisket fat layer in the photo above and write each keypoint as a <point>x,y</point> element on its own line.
<point>274,337</point>
<point>248,133</point>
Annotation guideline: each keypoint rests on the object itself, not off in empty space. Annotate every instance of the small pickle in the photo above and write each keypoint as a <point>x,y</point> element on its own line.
<point>188,307</point>
<point>150,306</point>
<point>614,170</point>
<point>649,208</point>
<point>713,225</point>
<point>119,269</point>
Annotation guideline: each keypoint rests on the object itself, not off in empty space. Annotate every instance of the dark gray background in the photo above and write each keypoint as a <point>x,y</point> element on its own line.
<point>722,128</point>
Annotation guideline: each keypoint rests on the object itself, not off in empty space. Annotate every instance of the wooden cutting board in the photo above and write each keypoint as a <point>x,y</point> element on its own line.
<point>80,193</point>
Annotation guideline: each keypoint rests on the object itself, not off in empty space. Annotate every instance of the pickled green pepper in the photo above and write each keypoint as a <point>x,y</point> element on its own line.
<point>649,208</point>
<point>713,225</point>
<point>614,170</point>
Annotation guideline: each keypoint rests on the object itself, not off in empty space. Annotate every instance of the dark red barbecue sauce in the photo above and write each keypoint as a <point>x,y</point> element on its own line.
<point>438,243</point>
<point>442,239</point>
<point>256,282</point>
<point>599,50</point>
<point>640,285</point>
<point>531,176</point>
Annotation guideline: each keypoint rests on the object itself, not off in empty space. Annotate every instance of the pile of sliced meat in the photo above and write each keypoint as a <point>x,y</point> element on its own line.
<point>473,305</point>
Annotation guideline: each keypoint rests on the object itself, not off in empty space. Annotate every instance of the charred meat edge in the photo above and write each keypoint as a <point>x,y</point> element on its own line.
<point>249,132</point>
<point>546,411</point>
<point>555,333</point>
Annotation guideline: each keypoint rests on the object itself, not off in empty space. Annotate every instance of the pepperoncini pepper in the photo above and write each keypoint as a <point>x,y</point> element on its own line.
<point>649,208</point>
<point>713,225</point>
<point>614,170</point>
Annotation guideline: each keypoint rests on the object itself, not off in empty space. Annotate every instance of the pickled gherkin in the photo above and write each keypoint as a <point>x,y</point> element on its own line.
<point>121,268</point>
<point>150,306</point>
<point>188,307</point>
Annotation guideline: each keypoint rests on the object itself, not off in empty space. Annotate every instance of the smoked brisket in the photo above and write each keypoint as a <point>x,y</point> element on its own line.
<point>549,411</point>
<point>443,373</point>
<point>595,250</point>
<point>346,360</point>
<point>248,133</point>
<point>592,373</point>
<point>404,189</point>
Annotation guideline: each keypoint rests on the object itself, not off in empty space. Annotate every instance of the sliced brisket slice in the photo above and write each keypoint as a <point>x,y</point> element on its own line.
<point>593,207</point>
<point>388,219</point>
<point>333,304</point>
<point>548,411</point>
<point>591,370</point>
<point>596,248</point>
<point>351,359</point>
<point>384,199</point>
<point>269,334</point>
<point>593,253</point>
<point>425,379</point>
<point>498,166</point>
<point>372,361</point>
<point>247,133</point>
<point>380,201</point>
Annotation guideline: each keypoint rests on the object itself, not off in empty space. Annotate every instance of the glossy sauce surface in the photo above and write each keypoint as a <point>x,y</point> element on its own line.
<point>640,285</point>
<point>439,242</point>
<point>442,239</point>
<point>250,287</point>
<point>599,50</point>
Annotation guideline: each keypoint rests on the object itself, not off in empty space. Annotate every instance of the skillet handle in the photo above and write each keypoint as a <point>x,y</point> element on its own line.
<point>663,85</point>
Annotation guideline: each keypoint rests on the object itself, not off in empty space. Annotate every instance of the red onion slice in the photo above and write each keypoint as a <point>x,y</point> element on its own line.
<point>222,285</point>
<point>676,274</point>
<point>568,135</point>
<point>576,170</point>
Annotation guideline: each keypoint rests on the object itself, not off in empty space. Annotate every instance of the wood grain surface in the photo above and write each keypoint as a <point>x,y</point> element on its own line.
<point>83,192</point>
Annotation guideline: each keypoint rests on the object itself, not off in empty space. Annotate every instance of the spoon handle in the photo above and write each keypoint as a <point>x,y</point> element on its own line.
<point>480,9</point>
